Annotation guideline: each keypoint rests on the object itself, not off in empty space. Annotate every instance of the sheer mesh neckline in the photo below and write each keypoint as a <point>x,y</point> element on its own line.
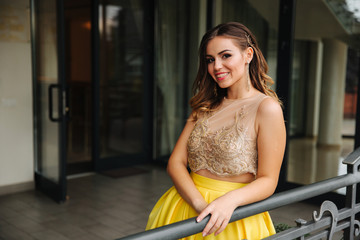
<point>245,98</point>
<point>224,142</point>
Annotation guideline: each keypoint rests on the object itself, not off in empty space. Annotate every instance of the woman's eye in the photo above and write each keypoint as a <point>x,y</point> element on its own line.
<point>226,55</point>
<point>209,60</point>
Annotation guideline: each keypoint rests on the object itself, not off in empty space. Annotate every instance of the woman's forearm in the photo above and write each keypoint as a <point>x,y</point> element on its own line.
<point>186,187</point>
<point>255,191</point>
<point>177,169</point>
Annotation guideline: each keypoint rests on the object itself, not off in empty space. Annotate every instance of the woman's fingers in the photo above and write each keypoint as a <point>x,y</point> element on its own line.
<point>216,223</point>
<point>223,226</point>
<point>220,217</point>
<point>212,226</point>
<point>203,214</point>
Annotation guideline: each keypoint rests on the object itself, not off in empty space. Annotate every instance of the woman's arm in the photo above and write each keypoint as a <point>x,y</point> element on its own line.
<point>271,139</point>
<point>177,169</point>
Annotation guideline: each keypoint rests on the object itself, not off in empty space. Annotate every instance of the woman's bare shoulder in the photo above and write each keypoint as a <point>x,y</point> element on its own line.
<point>269,106</point>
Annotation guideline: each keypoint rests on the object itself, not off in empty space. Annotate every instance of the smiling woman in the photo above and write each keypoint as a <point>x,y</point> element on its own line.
<point>233,141</point>
<point>243,45</point>
<point>228,65</point>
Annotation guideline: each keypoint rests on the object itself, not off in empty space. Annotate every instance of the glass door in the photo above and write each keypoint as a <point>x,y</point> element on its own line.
<point>49,97</point>
<point>78,64</point>
<point>124,102</point>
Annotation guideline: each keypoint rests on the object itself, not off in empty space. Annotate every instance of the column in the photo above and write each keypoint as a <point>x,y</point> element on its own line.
<point>313,89</point>
<point>332,93</point>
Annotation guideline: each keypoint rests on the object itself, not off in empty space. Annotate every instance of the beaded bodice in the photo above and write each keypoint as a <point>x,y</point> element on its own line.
<point>224,141</point>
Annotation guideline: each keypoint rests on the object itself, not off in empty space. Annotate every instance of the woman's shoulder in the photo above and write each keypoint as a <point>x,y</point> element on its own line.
<point>269,107</point>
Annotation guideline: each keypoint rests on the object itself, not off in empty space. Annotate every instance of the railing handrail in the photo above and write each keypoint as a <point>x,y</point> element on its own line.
<point>190,226</point>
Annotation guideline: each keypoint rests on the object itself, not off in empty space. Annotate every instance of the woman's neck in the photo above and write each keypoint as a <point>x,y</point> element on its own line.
<point>241,93</point>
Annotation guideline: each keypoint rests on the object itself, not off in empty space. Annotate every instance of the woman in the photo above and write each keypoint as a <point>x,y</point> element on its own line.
<point>233,142</point>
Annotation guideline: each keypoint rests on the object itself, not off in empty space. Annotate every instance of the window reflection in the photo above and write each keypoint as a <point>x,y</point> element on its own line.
<point>176,64</point>
<point>323,93</point>
<point>121,78</point>
<point>47,149</point>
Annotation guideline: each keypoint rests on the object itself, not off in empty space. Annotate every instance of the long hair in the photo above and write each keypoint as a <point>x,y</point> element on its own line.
<point>207,94</point>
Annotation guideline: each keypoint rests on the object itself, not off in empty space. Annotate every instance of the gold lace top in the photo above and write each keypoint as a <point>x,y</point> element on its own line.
<point>224,141</point>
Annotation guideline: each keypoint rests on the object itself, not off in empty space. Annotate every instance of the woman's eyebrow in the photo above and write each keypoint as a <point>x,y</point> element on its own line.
<point>226,50</point>
<point>219,53</point>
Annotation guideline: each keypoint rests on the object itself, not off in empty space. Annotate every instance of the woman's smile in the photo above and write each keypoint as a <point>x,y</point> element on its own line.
<point>221,76</point>
<point>226,63</point>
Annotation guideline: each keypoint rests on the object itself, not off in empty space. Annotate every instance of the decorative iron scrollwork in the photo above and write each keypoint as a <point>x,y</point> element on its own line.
<point>328,206</point>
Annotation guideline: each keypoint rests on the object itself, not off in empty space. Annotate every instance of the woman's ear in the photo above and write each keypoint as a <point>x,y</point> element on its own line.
<point>249,53</point>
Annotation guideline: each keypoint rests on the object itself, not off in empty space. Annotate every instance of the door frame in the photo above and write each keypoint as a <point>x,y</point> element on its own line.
<point>57,191</point>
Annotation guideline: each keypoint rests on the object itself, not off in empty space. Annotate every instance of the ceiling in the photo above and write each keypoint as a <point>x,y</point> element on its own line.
<point>314,20</point>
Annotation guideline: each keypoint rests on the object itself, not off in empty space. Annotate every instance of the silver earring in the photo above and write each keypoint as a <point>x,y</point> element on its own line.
<point>248,77</point>
<point>215,91</point>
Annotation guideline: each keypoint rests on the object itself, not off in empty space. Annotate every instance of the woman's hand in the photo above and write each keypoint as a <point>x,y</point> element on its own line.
<point>221,210</point>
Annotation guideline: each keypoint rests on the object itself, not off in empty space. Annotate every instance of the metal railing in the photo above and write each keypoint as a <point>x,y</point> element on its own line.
<point>322,225</point>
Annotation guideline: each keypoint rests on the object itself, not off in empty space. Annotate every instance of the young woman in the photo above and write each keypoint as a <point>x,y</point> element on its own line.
<point>233,141</point>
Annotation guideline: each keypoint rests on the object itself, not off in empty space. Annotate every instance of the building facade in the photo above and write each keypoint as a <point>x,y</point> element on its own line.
<point>93,85</point>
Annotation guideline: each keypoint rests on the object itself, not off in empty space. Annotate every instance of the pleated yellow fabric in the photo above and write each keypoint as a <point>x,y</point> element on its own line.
<point>172,208</point>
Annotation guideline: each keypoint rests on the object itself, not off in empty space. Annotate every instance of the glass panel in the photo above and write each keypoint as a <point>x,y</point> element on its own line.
<point>78,53</point>
<point>350,101</point>
<point>324,90</point>
<point>121,79</point>
<point>351,90</point>
<point>47,74</point>
<point>173,73</point>
<point>298,82</point>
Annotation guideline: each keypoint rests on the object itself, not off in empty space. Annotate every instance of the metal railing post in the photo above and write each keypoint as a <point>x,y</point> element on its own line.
<point>352,162</point>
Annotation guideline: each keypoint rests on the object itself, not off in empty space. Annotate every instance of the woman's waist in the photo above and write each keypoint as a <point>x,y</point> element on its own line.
<point>240,178</point>
<point>206,179</point>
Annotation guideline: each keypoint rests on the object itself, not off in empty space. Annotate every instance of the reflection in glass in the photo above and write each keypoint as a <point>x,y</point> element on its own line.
<point>299,82</point>
<point>324,65</point>
<point>351,89</point>
<point>308,163</point>
<point>347,13</point>
<point>78,78</point>
<point>172,72</point>
<point>121,77</point>
<point>47,74</point>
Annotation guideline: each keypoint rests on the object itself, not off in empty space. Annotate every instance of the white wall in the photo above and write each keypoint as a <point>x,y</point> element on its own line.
<point>16,122</point>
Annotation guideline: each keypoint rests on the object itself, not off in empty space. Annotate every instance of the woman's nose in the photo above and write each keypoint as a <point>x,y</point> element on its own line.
<point>217,65</point>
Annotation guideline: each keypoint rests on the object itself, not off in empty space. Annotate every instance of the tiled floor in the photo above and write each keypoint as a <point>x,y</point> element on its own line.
<point>99,207</point>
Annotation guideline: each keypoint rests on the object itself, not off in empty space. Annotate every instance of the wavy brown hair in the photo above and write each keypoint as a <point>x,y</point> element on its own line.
<point>207,94</point>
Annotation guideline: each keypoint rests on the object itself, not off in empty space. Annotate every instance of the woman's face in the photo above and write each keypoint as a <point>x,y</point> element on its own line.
<point>226,63</point>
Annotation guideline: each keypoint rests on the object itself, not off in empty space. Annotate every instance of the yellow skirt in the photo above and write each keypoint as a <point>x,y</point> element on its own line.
<point>172,208</point>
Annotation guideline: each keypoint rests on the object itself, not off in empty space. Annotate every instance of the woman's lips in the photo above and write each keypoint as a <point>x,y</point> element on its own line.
<point>221,76</point>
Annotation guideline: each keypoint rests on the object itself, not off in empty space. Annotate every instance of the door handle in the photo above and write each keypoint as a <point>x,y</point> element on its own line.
<point>51,89</point>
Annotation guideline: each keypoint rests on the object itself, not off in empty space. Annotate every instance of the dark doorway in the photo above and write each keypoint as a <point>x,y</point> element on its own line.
<point>93,85</point>
<point>125,81</point>
<point>79,83</point>
<point>109,124</point>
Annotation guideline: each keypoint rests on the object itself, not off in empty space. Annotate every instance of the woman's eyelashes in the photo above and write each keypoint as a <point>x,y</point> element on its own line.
<point>226,55</point>
<point>211,60</point>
